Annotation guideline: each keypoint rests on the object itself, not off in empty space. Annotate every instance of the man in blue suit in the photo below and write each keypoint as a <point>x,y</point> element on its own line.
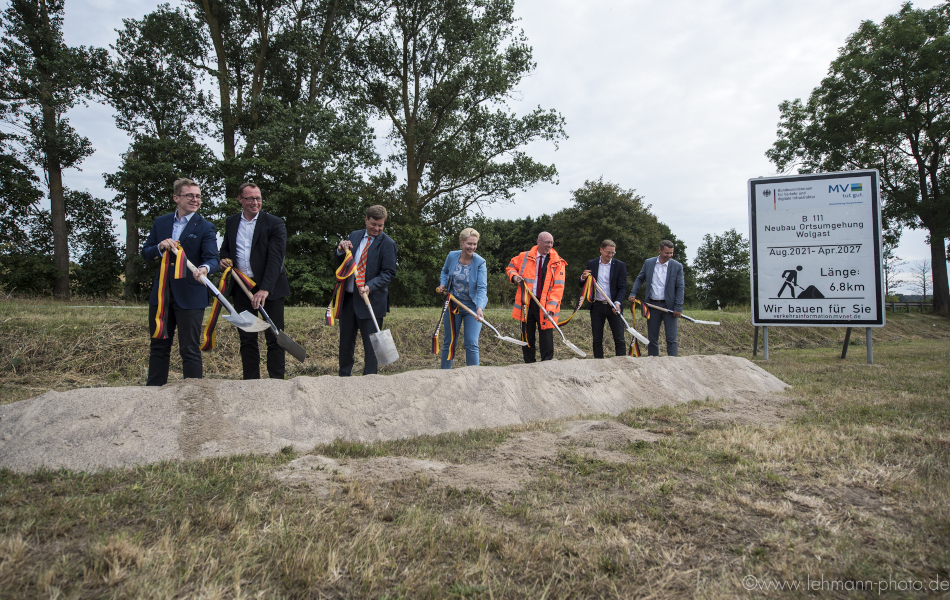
<point>665,287</point>
<point>184,301</point>
<point>611,276</point>
<point>375,255</point>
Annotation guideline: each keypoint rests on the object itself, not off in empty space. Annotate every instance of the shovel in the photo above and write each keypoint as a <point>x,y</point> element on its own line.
<point>682,316</point>
<point>576,350</point>
<point>498,335</point>
<point>632,331</point>
<point>382,341</point>
<point>245,320</point>
<point>295,349</point>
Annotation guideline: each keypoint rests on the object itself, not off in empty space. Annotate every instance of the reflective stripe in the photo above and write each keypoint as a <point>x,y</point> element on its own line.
<point>511,264</point>
<point>557,281</point>
<point>518,306</point>
<point>554,316</point>
<point>524,263</point>
<point>529,280</point>
<point>554,302</point>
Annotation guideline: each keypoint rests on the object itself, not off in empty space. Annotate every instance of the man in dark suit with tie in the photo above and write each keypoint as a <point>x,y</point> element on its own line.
<point>374,253</point>
<point>611,275</point>
<point>182,302</point>
<point>665,287</point>
<point>255,242</point>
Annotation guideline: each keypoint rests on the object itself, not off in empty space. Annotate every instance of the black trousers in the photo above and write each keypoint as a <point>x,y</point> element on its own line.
<point>349,325</point>
<point>599,312</point>
<point>188,323</point>
<point>250,352</point>
<point>545,338</point>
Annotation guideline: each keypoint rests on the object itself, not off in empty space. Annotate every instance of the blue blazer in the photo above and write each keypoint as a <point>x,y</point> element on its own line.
<point>618,278</point>
<point>201,247</point>
<point>675,283</point>
<point>380,270</point>
<point>477,278</point>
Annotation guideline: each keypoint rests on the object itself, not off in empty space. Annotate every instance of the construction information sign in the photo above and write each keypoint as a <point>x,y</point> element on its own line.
<point>816,250</point>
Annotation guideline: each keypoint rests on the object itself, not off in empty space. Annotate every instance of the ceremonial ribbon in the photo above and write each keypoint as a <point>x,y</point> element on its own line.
<point>635,345</point>
<point>525,303</point>
<point>343,272</point>
<point>224,287</point>
<point>438,326</point>
<point>587,293</point>
<point>453,331</point>
<point>164,291</point>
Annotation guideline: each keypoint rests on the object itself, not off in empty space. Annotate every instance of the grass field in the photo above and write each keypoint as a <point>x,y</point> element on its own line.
<point>852,492</point>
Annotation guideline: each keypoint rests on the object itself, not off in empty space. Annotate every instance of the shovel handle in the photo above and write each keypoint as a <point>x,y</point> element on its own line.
<point>251,297</point>
<point>606,295</point>
<point>208,283</point>
<point>371,313</point>
<point>546,313</point>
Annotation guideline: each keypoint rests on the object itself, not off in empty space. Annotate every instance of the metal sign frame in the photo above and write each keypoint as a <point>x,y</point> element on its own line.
<point>820,222</point>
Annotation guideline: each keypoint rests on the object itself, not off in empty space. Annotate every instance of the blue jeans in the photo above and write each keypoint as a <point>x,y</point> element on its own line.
<point>472,328</point>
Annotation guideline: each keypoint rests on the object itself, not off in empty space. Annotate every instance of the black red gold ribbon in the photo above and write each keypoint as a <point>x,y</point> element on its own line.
<point>343,272</point>
<point>164,289</point>
<point>645,310</point>
<point>438,326</point>
<point>224,286</point>
<point>588,293</point>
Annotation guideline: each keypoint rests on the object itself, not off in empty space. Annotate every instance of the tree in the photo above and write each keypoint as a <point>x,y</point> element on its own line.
<point>99,251</point>
<point>886,105</point>
<point>921,280</point>
<point>42,79</point>
<point>722,262</point>
<point>891,264</point>
<point>441,72</point>
<point>157,97</point>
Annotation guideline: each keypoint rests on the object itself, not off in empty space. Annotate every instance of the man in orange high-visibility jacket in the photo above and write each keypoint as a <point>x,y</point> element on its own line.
<point>547,284</point>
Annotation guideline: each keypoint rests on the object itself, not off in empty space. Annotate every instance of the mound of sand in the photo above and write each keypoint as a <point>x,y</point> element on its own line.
<point>86,429</point>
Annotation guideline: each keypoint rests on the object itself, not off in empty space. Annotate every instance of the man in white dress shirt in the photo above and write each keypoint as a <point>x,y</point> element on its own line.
<point>666,288</point>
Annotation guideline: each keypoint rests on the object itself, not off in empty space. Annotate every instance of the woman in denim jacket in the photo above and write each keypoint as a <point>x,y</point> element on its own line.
<point>465,276</point>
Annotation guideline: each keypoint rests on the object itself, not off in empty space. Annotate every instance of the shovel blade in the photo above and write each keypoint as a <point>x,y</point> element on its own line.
<point>295,349</point>
<point>384,347</point>
<point>512,340</point>
<point>577,350</point>
<point>247,322</point>
<point>638,335</point>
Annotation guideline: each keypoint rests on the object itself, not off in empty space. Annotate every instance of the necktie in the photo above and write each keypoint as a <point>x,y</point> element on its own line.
<point>541,273</point>
<point>361,267</point>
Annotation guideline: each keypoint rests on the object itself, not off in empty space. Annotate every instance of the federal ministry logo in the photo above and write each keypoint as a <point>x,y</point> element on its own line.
<point>767,193</point>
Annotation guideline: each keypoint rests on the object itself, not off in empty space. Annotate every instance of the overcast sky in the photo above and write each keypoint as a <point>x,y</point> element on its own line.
<point>677,100</point>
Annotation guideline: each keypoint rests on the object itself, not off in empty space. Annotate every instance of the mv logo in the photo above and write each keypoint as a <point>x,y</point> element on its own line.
<point>847,187</point>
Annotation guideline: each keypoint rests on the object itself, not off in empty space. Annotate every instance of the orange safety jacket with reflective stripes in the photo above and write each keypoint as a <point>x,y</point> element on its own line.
<point>525,265</point>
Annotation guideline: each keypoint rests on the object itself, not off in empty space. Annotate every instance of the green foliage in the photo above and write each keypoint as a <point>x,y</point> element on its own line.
<point>442,71</point>
<point>885,105</point>
<point>99,262</point>
<point>722,262</point>
<point>26,256</point>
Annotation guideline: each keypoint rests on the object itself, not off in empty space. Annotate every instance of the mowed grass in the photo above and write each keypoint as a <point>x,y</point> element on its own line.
<point>854,490</point>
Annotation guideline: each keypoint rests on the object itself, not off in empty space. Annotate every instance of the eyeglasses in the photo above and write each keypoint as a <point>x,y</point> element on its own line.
<point>254,199</point>
<point>190,197</point>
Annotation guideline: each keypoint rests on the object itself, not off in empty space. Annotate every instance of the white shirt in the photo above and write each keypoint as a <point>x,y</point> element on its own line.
<point>351,282</point>
<point>658,290</point>
<point>242,250</point>
<point>603,280</point>
<point>178,225</point>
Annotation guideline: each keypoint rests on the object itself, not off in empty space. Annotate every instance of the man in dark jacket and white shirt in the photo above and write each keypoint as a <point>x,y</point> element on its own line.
<point>665,287</point>
<point>611,276</point>
<point>256,243</point>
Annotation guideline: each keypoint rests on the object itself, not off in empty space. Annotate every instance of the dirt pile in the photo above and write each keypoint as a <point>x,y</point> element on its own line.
<point>93,428</point>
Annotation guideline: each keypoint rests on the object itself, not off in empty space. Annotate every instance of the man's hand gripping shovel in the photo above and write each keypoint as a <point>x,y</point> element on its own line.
<point>576,350</point>
<point>503,338</point>
<point>632,331</point>
<point>295,349</point>
<point>245,320</point>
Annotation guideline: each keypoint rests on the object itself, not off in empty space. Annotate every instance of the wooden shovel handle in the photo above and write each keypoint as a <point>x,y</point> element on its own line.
<point>467,309</point>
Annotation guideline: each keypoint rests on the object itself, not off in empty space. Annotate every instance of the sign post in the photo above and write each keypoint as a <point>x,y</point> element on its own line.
<point>816,251</point>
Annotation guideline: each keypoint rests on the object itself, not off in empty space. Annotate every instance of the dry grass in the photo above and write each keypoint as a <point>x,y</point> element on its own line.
<point>855,490</point>
<point>47,346</point>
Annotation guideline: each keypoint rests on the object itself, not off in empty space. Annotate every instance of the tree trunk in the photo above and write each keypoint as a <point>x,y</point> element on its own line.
<point>941,285</point>
<point>131,233</point>
<point>57,200</point>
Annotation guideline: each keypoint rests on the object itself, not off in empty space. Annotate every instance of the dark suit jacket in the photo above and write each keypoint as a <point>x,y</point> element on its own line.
<point>380,270</point>
<point>618,278</point>
<point>268,249</point>
<point>201,247</point>
<point>675,283</point>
